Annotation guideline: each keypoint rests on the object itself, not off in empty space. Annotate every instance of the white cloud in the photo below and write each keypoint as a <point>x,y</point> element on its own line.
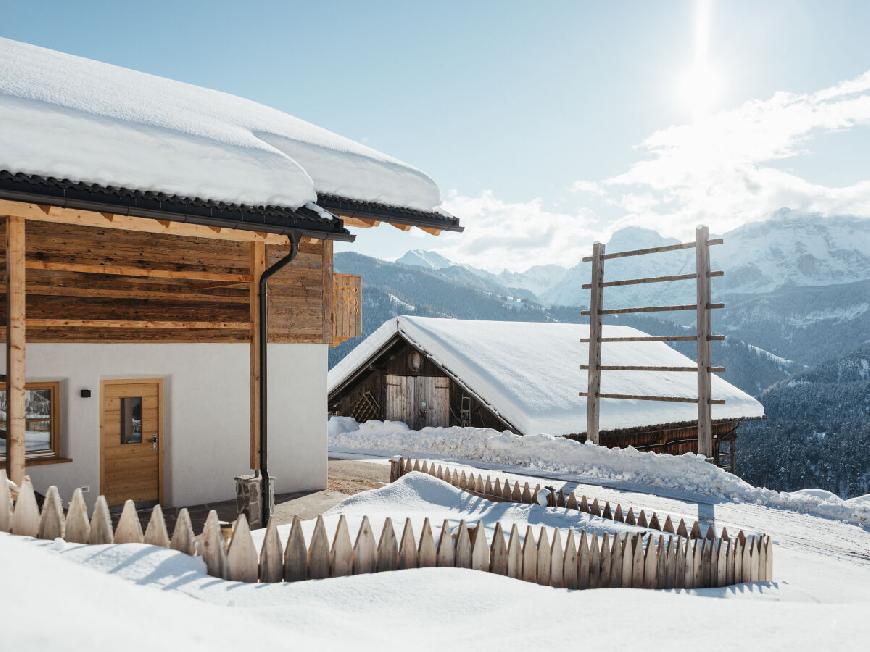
<point>502,235</point>
<point>722,170</point>
<point>588,187</point>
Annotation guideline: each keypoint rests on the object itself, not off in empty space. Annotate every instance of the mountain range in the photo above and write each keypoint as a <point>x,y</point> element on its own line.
<point>797,295</point>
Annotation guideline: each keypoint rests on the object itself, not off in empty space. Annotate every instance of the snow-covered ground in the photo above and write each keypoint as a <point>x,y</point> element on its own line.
<point>682,476</point>
<point>150,597</point>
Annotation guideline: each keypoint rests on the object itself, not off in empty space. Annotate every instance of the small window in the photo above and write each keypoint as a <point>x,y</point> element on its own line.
<point>131,420</point>
<point>42,427</point>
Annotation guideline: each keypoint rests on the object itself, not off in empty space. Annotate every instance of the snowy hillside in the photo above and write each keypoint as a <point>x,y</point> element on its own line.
<point>818,430</point>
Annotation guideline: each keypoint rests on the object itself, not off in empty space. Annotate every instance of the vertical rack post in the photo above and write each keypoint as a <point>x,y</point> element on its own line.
<point>704,330</point>
<point>593,374</point>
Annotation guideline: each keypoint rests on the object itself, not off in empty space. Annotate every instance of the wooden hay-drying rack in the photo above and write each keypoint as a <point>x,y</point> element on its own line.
<point>703,334</point>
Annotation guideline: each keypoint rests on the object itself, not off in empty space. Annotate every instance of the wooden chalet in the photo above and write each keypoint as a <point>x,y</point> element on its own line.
<point>523,377</point>
<point>135,324</point>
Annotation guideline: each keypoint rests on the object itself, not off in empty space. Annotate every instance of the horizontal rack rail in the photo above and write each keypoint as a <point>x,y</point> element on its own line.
<point>657,338</point>
<point>611,367</point>
<point>624,311</point>
<point>653,250</point>
<point>652,279</point>
<point>664,399</point>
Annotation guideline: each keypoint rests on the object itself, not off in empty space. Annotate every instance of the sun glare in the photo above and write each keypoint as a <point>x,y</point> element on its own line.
<point>700,88</point>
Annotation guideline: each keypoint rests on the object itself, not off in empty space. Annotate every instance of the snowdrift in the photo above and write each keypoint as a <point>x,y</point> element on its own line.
<point>688,472</point>
<point>70,117</point>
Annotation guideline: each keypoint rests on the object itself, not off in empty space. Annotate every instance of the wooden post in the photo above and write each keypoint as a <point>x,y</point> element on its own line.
<point>15,348</point>
<point>328,304</point>
<point>702,268</point>
<point>593,374</point>
<point>258,265</point>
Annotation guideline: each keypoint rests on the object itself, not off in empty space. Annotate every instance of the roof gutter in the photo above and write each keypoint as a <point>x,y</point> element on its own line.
<point>263,291</point>
<point>210,219</point>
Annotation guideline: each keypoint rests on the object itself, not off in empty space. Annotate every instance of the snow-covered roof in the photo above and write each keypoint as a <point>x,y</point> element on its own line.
<point>67,117</point>
<point>530,372</point>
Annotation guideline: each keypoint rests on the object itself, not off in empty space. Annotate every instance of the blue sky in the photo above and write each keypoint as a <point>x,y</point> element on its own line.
<point>546,125</point>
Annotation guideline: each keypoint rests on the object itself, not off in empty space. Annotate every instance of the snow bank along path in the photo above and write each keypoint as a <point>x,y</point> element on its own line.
<point>685,473</point>
<point>816,603</point>
<point>69,117</point>
<point>529,372</point>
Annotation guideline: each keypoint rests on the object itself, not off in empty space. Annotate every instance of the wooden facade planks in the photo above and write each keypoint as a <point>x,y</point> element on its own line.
<point>107,284</point>
<point>347,304</point>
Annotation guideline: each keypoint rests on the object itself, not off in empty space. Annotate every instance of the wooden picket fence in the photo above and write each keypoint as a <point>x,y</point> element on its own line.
<point>640,560</point>
<point>494,490</point>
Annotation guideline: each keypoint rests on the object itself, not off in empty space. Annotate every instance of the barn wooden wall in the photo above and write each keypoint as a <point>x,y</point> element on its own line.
<point>166,278</point>
<point>395,361</point>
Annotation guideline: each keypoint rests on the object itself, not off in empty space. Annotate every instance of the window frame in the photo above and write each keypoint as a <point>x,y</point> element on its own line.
<point>54,453</point>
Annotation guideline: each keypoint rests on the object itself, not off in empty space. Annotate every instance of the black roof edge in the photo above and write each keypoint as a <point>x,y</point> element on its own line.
<point>137,203</point>
<point>386,213</point>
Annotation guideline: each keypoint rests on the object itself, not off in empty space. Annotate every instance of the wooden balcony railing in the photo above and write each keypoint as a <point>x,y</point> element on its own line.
<point>346,307</point>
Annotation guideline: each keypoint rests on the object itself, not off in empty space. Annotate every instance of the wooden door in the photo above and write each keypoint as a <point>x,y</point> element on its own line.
<point>400,399</point>
<point>433,401</point>
<point>131,441</point>
<point>418,401</point>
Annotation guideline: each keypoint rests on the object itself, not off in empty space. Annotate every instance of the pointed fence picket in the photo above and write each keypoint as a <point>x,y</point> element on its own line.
<point>491,489</point>
<point>77,528</point>
<point>155,533</point>
<point>659,558</point>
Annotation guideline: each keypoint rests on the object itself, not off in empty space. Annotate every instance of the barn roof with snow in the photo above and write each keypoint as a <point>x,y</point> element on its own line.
<point>88,133</point>
<point>529,373</point>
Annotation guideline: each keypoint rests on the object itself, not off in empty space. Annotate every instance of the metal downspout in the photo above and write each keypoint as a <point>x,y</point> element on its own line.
<point>265,512</point>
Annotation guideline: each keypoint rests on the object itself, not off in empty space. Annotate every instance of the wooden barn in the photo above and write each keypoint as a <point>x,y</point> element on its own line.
<point>524,377</point>
<point>161,240</point>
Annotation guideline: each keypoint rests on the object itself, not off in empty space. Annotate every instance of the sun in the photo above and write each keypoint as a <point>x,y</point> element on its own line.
<point>700,89</point>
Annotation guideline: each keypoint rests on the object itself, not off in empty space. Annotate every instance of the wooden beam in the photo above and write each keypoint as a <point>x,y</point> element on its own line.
<point>44,213</point>
<point>431,230</point>
<point>593,376</point>
<point>400,226</point>
<point>653,250</point>
<point>144,272</point>
<point>664,399</point>
<point>652,279</point>
<point>702,269</point>
<point>181,296</point>
<point>16,343</point>
<point>623,311</point>
<point>658,338</point>
<point>258,266</point>
<point>358,222</point>
<point>624,367</point>
<point>328,296</point>
<point>133,324</point>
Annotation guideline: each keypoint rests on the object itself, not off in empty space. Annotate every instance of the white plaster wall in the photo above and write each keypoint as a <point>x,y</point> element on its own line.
<point>206,412</point>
